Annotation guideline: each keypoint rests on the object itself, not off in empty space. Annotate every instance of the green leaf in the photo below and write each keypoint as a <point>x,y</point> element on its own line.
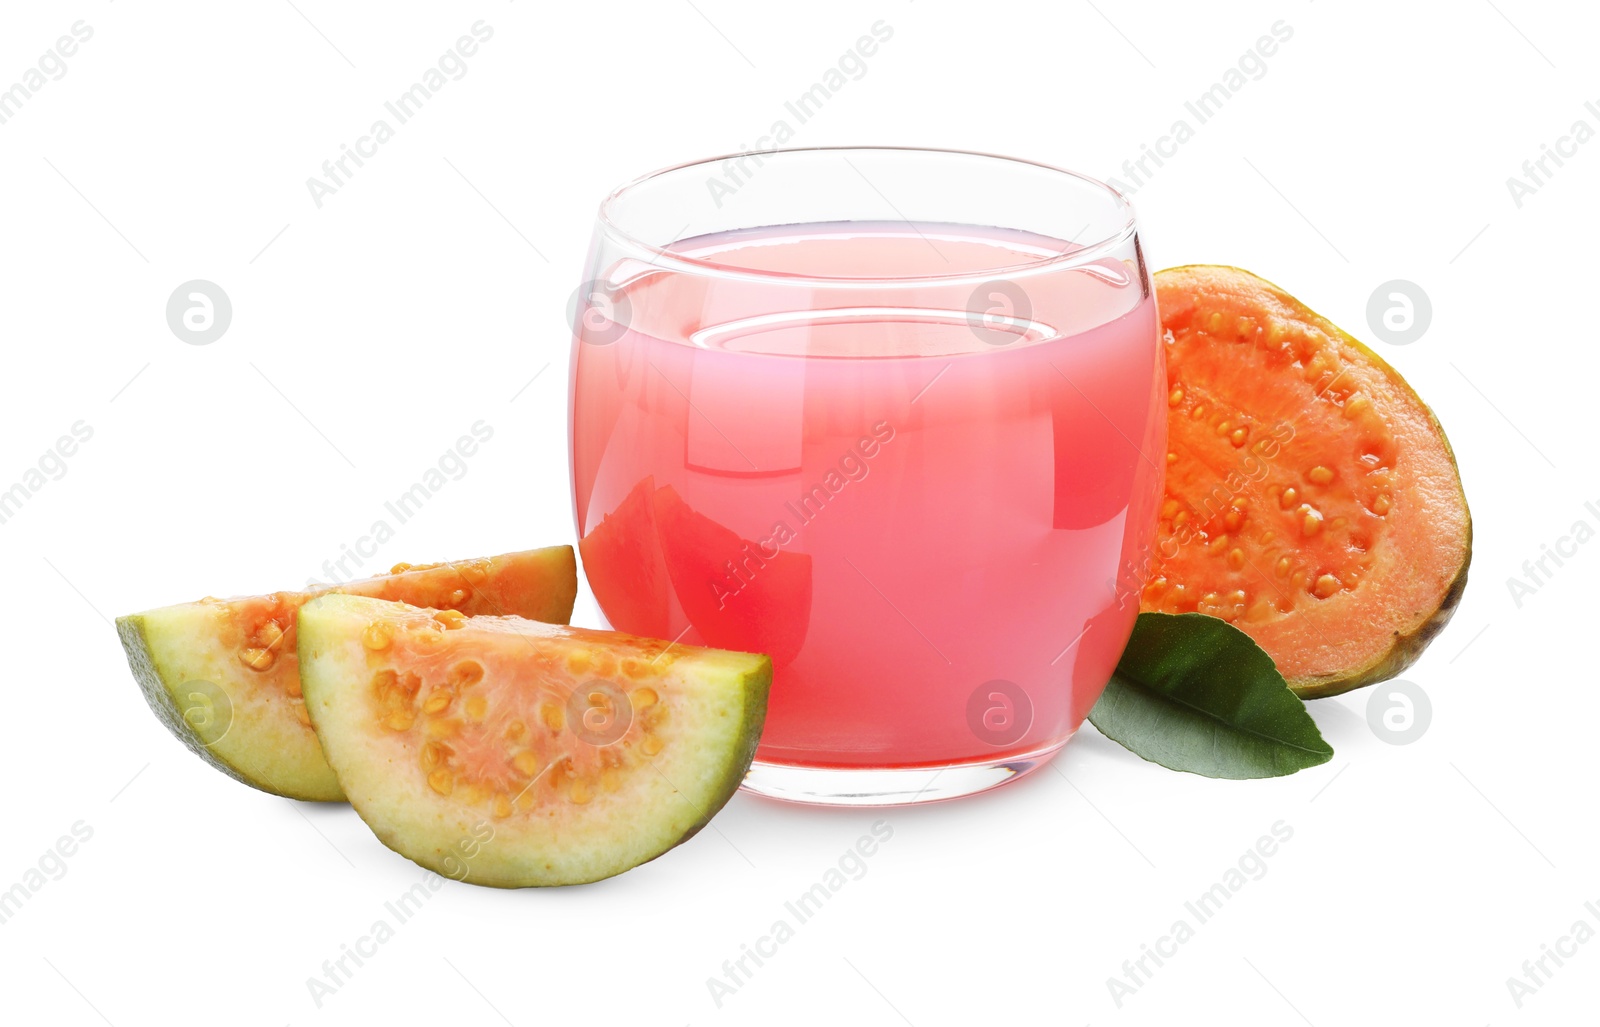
<point>1196,694</point>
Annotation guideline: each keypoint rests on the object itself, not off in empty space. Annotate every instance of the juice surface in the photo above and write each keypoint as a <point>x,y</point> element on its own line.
<point>935,525</point>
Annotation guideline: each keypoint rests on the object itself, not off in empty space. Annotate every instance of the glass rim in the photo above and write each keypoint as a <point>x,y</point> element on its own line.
<point>662,256</point>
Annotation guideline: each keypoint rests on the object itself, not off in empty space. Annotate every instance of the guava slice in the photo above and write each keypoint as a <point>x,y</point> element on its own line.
<point>506,752</point>
<point>737,593</point>
<point>1312,498</point>
<point>222,674</point>
<point>622,560</point>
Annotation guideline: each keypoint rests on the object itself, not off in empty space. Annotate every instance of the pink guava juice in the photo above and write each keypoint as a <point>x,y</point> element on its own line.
<point>934,521</point>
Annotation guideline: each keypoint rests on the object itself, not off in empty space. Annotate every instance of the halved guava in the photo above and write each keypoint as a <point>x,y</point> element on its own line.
<point>222,674</point>
<point>1312,498</point>
<point>507,752</point>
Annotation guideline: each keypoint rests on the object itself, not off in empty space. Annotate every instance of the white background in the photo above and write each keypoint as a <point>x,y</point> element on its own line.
<point>428,293</point>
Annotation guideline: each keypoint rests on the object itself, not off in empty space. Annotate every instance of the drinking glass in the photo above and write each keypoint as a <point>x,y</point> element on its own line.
<point>897,419</point>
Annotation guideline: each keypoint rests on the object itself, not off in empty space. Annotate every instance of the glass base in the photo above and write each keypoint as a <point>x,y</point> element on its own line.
<point>893,786</point>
